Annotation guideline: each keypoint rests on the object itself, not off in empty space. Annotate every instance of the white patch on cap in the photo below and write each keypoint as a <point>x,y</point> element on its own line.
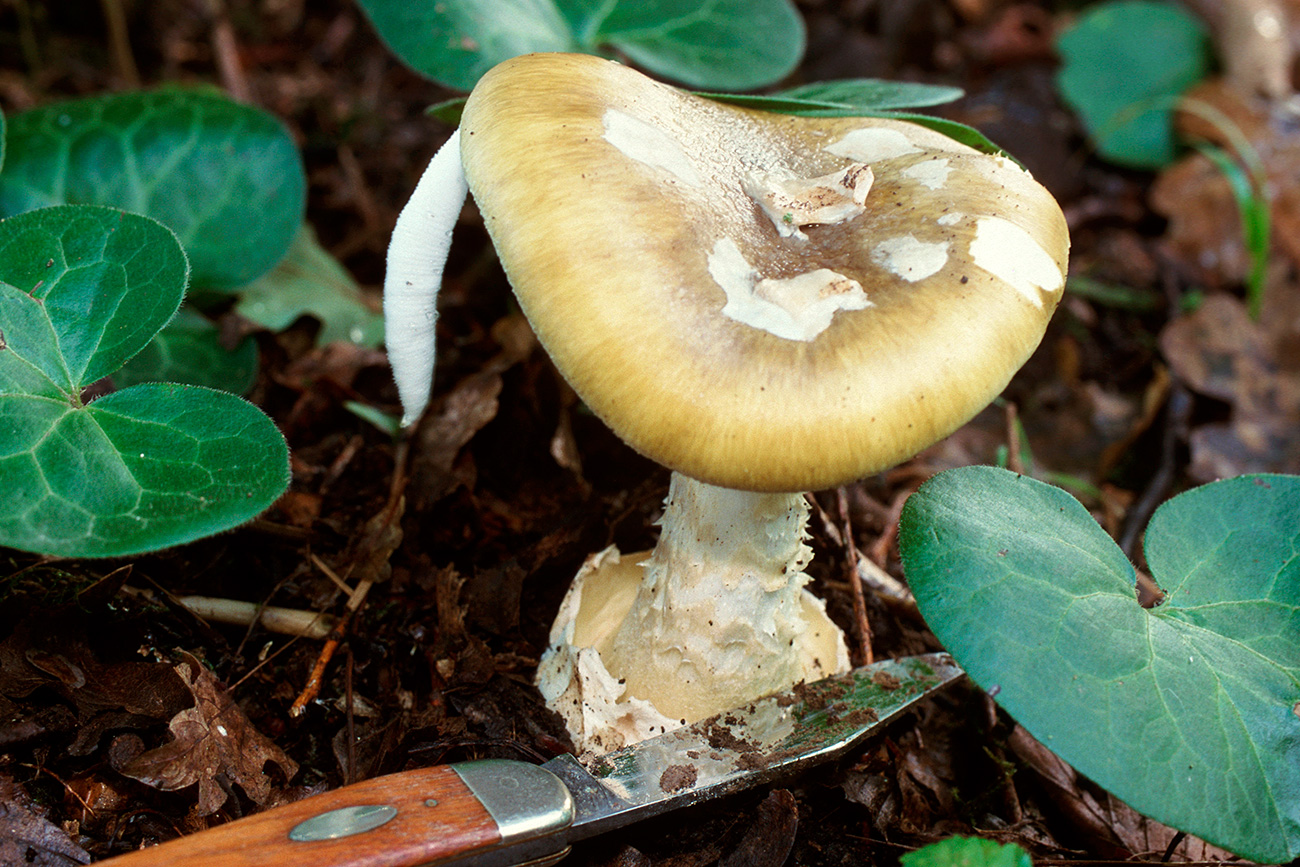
<point>930,173</point>
<point>795,308</point>
<point>794,202</point>
<point>910,258</point>
<point>1009,252</point>
<point>873,143</point>
<point>950,219</point>
<point>649,144</point>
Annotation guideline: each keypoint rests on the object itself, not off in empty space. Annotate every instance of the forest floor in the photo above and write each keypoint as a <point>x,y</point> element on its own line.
<point>468,536</point>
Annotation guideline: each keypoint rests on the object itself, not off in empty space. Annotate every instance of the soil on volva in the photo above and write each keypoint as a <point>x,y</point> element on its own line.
<point>468,536</point>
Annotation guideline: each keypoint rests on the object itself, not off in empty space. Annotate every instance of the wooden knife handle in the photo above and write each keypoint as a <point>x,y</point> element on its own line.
<point>434,815</point>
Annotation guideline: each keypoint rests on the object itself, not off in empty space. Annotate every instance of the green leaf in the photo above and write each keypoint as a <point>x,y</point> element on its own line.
<point>455,41</point>
<point>189,351</point>
<point>967,852</point>
<point>1125,64</point>
<point>225,177</point>
<point>1255,213</point>
<point>959,132</point>
<point>1118,296</point>
<point>82,290</point>
<point>2,139</point>
<point>845,98</point>
<point>448,111</point>
<point>87,288</point>
<point>727,44</point>
<point>852,103</point>
<point>1190,711</point>
<point>141,469</point>
<point>389,424</point>
<point>309,281</point>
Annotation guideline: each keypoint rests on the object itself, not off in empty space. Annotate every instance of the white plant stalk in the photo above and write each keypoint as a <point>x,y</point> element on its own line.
<point>417,255</point>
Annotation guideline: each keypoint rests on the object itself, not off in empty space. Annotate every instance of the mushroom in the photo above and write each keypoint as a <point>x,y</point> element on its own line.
<point>765,304</point>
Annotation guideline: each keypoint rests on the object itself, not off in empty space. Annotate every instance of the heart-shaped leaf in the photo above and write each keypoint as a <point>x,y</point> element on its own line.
<point>967,852</point>
<point>225,177</point>
<point>309,281</point>
<point>189,351</point>
<point>456,41</point>
<point>87,289</point>
<point>726,44</point>
<point>1189,711</point>
<point>1125,65</point>
<point>82,290</point>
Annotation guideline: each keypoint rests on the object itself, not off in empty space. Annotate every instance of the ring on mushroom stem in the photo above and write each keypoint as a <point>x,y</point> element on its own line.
<point>766,304</point>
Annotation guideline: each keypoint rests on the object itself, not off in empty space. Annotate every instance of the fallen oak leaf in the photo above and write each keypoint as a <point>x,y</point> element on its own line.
<point>27,836</point>
<point>1219,351</point>
<point>212,738</point>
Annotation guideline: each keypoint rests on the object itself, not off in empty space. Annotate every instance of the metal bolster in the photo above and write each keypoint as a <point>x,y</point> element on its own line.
<point>524,800</point>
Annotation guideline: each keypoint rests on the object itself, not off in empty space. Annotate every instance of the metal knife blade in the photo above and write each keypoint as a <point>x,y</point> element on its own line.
<point>493,812</point>
<point>767,739</point>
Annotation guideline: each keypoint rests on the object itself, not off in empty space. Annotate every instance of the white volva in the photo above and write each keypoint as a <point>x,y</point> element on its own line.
<point>715,616</point>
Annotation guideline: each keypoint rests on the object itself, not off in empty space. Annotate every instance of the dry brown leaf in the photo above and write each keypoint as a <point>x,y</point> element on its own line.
<point>27,837</point>
<point>370,559</point>
<point>457,417</point>
<point>210,739</point>
<point>1120,831</point>
<point>102,696</point>
<point>1219,351</point>
<point>338,362</point>
<point>768,841</point>
<point>1204,225</point>
<point>1272,130</point>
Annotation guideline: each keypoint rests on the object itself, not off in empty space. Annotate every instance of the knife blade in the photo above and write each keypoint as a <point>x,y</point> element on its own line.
<point>498,812</point>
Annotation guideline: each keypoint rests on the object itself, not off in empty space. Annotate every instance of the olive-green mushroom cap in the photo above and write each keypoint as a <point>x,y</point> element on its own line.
<point>715,285</point>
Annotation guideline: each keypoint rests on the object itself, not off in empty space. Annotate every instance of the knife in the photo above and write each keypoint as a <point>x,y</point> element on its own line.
<point>499,812</point>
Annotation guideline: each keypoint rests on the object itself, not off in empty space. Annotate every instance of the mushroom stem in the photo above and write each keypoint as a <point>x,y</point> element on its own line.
<point>721,616</point>
<point>417,254</point>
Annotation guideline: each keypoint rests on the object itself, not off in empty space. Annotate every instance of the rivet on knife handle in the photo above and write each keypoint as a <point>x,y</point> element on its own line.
<point>343,822</point>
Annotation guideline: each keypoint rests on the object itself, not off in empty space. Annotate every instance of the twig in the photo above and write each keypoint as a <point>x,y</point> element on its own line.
<point>1174,843</point>
<point>879,550</point>
<point>351,770</point>
<point>828,526</point>
<point>884,585</point>
<point>1015,462</point>
<point>340,463</point>
<point>859,603</point>
<point>272,618</point>
<point>312,688</point>
<point>226,50</point>
<point>119,43</point>
<point>41,769</point>
<point>381,530</point>
<point>1178,414</point>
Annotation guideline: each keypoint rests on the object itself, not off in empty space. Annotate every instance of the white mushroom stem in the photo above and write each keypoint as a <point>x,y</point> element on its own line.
<point>417,254</point>
<point>720,617</point>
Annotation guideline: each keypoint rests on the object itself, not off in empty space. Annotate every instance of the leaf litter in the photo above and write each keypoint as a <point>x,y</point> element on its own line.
<point>212,742</point>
